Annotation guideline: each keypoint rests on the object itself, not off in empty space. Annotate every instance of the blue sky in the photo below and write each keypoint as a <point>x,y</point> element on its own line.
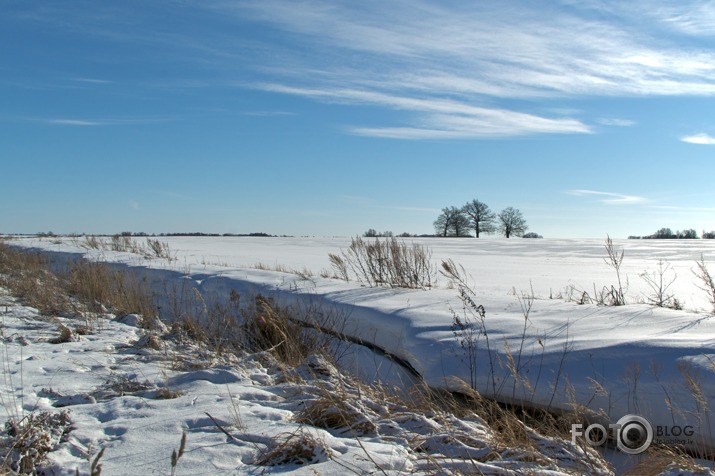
<point>331,117</point>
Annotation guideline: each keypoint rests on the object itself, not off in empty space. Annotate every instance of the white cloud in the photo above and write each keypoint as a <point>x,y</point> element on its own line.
<point>102,122</point>
<point>268,113</point>
<point>74,122</point>
<point>434,59</point>
<point>609,197</point>
<point>91,80</point>
<point>440,118</point>
<point>426,57</point>
<point>701,139</point>
<point>616,122</point>
<point>477,48</point>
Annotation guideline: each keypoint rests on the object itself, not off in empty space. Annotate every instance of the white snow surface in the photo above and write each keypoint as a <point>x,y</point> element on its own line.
<point>639,359</point>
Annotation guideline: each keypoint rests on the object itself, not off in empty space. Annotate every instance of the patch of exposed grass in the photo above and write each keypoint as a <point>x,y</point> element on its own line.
<point>25,442</point>
<point>299,447</point>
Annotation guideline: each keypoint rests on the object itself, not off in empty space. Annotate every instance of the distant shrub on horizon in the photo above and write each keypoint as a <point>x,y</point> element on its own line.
<point>668,234</point>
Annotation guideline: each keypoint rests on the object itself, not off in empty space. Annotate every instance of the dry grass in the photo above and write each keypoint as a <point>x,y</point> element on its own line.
<point>298,447</point>
<point>666,460</point>
<point>153,248</point>
<point>28,277</point>
<point>176,456</point>
<point>65,335</point>
<point>26,442</point>
<point>85,288</point>
<point>159,249</point>
<point>336,410</point>
<point>386,263</point>
<point>304,273</point>
<point>269,327</point>
<point>616,295</point>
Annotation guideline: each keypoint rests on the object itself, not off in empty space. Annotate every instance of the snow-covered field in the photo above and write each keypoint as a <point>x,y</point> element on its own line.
<point>633,359</point>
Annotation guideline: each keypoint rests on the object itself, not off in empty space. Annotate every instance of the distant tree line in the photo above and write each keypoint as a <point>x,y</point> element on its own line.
<point>476,217</point>
<point>668,234</point>
<point>372,233</point>
<point>190,233</point>
<point>215,234</point>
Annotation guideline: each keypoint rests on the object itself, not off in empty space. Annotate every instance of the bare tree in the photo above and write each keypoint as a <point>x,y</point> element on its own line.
<point>444,222</point>
<point>451,222</point>
<point>460,225</point>
<point>480,217</point>
<point>512,222</point>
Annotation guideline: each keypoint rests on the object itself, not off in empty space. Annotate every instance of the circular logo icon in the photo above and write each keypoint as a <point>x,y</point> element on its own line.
<point>634,434</point>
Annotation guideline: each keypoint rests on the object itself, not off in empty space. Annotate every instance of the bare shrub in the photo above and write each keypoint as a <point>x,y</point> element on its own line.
<point>707,283</point>
<point>386,263</point>
<point>660,284</point>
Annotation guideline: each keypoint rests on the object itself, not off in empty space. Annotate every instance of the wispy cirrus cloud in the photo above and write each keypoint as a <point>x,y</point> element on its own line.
<point>419,56</point>
<point>700,139</point>
<point>491,59</point>
<point>101,121</point>
<point>609,198</point>
<point>91,81</point>
<point>72,122</point>
<point>616,122</point>
<point>493,50</point>
<point>441,118</point>
<point>268,113</point>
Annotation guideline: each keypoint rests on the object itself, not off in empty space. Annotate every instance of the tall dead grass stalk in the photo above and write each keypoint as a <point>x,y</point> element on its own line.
<point>386,263</point>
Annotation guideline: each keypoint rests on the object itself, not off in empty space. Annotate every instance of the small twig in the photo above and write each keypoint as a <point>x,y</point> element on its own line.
<point>218,425</point>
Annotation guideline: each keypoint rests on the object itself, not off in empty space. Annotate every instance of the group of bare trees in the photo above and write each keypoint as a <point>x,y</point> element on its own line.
<point>668,234</point>
<point>475,216</point>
